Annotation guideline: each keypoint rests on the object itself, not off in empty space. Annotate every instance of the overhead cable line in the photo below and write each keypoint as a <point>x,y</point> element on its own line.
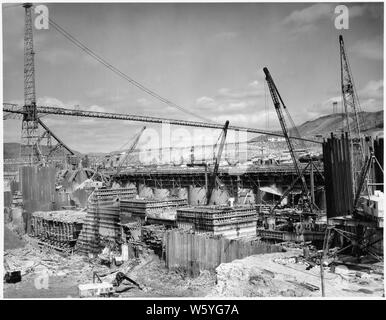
<point>101,60</point>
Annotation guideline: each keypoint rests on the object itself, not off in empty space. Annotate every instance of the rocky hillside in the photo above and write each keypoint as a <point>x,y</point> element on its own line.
<point>371,123</point>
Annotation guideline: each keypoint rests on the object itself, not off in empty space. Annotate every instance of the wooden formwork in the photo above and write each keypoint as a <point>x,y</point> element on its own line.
<point>102,222</point>
<point>197,252</point>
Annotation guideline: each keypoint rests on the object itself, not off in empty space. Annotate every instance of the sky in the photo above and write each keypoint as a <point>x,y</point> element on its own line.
<point>208,58</point>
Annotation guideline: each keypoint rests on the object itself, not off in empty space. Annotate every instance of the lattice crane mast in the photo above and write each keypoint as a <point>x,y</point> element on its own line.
<point>276,98</point>
<point>349,96</point>
<point>29,148</point>
<point>351,105</point>
<point>31,134</point>
<point>213,176</point>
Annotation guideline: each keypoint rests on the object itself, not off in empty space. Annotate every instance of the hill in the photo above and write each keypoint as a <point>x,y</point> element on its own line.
<point>11,150</point>
<point>371,123</point>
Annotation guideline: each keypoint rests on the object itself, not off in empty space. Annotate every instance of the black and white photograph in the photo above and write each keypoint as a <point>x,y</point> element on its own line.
<point>202,150</point>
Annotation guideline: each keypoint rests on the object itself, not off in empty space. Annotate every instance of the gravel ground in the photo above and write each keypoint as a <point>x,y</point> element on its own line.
<point>48,274</point>
<point>279,275</point>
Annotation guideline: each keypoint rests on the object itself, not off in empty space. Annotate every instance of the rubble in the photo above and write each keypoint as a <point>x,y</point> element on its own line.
<point>285,274</point>
<point>154,237</point>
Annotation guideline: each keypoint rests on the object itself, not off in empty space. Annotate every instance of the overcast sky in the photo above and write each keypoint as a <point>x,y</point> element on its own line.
<point>207,58</point>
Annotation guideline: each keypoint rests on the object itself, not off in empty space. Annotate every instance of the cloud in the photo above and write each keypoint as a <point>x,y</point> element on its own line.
<point>250,92</point>
<point>54,102</point>
<point>204,101</point>
<point>243,106</point>
<point>254,84</point>
<point>51,102</point>
<point>310,14</point>
<point>371,96</point>
<point>305,20</point>
<point>370,99</point>
<point>96,108</point>
<point>369,48</point>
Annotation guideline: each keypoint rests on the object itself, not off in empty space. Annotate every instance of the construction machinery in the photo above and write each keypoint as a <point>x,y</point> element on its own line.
<point>125,155</point>
<point>279,106</point>
<point>213,176</point>
<point>34,131</point>
<point>362,228</point>
<point>132,147</point>
<point>352,107</point>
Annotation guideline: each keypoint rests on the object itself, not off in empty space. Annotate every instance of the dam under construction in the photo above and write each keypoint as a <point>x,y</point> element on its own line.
<point>237,217</point>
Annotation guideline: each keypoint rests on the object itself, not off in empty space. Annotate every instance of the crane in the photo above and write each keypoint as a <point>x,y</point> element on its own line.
<point>109,182</point>
<point>351,104</point>
<point>129,150</point>
<point>363,177</point>
<point>276,98</point>
<point>213,176</point>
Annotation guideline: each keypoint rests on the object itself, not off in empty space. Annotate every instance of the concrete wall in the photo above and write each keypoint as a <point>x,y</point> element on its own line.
<point>38,188</point>
<point>161,194</point>
<point>219,197</point>
<point>181,193</point>
<point>196,196</point>
<point>194,252</point>
<point>145,192</point>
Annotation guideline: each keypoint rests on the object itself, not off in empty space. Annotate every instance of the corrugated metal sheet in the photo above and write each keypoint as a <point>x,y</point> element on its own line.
<point>338,177</point>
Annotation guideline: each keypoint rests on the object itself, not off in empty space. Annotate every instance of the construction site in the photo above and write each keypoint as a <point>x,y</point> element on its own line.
<point>284,215</point>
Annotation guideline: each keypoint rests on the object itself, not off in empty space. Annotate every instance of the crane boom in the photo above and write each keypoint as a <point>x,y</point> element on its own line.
<point>362,179</point>
<point>130,150</point>
<point>350,100</point>
<point>351,104</point>
<point>58,140</point>
<point>276,102</point>
<point>213,177</point>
